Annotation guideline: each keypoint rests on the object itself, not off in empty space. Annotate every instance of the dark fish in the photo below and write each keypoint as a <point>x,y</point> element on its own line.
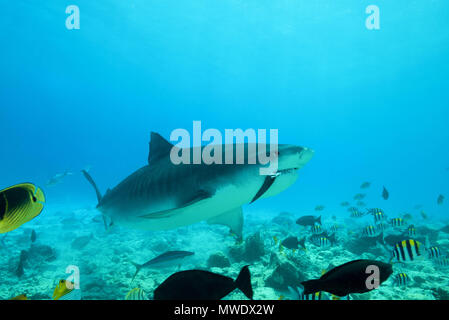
<point>319,208</point>
<point>293,243</point>
<point>385,194</point>
<point>283,219</point>
<point>165,259</point>
<point>80,242</point>
<point>392,239</point>
<point>365,185</point>
<point>440,199</point>
<point>424,214</point>
<point>20,265</point>
<point>372,240</point>
<point>407,216</point>
<point>361,204</point>
<point>19,204</point>
<point>359,196</point>
<point>344,204</point>
<point>348,278</point>
<point>308,220</point>
<point>33,236</point>
<point>57,178</point>
<point>202,285</point>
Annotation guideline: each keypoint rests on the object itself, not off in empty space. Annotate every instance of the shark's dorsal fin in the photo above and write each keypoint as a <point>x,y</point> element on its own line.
<point>159,147</point>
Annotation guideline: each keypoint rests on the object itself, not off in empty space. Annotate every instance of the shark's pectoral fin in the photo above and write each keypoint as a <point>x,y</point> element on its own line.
<point>269,180</point>
<point>200,195</point>
<point>233,219</point>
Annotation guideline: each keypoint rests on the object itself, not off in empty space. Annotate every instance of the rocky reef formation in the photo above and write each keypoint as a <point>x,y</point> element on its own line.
<point>218,260</point>
<point>252,249</point>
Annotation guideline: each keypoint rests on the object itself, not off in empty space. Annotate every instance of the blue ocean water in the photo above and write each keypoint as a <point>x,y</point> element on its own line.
<point>373,104</point>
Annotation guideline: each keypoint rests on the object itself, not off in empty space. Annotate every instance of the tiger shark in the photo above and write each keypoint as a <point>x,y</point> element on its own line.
<point>163,195</point>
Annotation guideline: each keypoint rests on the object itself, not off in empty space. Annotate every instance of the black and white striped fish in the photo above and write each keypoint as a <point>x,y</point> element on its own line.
<point>442,262</point>
<point>397,222</point>
<point>356,213</point>
<point>334,228</point>
<point>317,229</point>
<point>322,241</point>
<point>407,250</point>
<point>298,294</point>
<point>401,279</point>
<point>370,231</point>
<point>378,214</point>
<point>382,226</point>
<point>434,252</point>
<point>136,294</point>
<point>411,230</point>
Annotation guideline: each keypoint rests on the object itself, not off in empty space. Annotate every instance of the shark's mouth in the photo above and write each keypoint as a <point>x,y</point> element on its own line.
<point>286,171</point>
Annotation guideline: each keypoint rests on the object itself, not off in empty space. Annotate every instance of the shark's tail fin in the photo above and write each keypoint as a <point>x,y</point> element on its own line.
<point>99,196</point>
<point>318,220</point>
<point>243,282</point>
<point>92,182</point>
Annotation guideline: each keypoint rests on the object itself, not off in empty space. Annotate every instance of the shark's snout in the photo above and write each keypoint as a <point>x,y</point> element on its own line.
<point>293,158</point>
<point>305,155</point>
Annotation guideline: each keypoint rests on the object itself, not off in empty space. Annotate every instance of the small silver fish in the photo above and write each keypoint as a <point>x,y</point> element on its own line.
<point>57,178</point>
